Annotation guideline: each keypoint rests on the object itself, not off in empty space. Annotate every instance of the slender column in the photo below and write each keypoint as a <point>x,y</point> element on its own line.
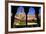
<point>26,12</point>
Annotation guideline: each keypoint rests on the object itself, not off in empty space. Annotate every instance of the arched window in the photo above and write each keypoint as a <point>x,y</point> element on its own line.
<point>20,16</point>
<point>20,10</point>
<point>31,11</point>
<point>20,13</point>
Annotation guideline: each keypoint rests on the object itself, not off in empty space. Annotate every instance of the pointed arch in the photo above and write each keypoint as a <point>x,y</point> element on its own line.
<point>20,10</point>
<point>31,11</point>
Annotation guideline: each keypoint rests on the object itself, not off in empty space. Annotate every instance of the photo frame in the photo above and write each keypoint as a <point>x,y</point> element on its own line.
<point>32,13</point>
